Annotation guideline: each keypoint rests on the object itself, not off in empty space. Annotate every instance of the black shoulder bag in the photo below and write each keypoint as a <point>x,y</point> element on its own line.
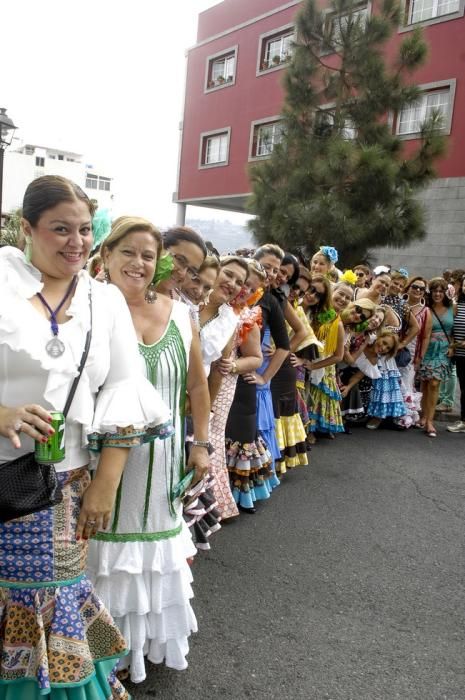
<point>27,486</point>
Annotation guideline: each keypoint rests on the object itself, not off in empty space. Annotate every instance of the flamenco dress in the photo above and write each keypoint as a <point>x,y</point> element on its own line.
<point>436,364</point>
<point>57,639</point>
<point>325,410</point>
<point>289,428</point>
<point>140,565</point>
<point>247,455</point>
<point>386,399</point>
<point>214,335</point>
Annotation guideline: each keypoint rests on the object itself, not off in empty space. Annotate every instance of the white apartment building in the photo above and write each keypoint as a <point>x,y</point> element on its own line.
<point>28,161</point>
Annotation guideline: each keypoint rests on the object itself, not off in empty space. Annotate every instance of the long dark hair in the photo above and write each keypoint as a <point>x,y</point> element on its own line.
<point>434,284</point>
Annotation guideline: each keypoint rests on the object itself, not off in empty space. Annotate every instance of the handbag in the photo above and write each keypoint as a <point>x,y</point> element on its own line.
<point>403,357</point>
<point>27,486</point>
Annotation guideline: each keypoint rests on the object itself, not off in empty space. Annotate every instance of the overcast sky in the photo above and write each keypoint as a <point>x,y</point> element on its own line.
<point>104,78</point>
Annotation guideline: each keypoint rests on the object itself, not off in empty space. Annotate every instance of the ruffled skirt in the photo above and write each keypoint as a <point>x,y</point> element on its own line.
<point>56,636</point>
<point>325,412</point>
<point>266,430</point>
<point>147,587</point>
<point>386,397</point>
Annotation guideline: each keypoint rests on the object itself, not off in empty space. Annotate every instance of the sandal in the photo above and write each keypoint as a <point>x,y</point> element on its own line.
<point>431,431</point>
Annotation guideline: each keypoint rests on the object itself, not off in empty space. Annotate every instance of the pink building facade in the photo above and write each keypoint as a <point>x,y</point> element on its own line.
<point>234,97</point>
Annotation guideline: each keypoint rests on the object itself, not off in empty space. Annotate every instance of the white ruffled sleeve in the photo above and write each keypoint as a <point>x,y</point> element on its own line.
<point>128,409</point>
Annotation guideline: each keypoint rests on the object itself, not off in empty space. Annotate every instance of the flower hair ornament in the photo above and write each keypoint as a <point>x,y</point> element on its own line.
<point>255,297</point>
<point>381,270</point>
<point>349,277</point>
<point>101,226</point>
<point>164,268</point>
<point>330,253</point>
<point>361,327</point>
<point>402,271</point>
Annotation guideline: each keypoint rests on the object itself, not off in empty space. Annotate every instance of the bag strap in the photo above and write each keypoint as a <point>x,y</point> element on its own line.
<point>83,361</point>
<point>440,323</point>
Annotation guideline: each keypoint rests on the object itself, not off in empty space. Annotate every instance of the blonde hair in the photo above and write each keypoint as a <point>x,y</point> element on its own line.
<point>124,225</point>
<point>395,347</point>
<point>210,263</point>
<point>256,269</point>
<point>269,249</point>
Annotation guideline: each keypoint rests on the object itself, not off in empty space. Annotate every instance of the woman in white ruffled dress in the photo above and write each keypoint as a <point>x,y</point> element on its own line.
<point>140,565</point>
<point>57,640</point>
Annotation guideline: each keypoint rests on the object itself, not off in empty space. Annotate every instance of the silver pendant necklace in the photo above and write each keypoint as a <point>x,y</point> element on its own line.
<point>55,347</point>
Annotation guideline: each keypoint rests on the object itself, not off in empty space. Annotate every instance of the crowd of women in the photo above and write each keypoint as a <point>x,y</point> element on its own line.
<point>201,380</point>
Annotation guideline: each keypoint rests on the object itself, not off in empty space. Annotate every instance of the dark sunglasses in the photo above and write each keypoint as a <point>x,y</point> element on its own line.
<point>315,292</point>
<point>363,316</point>
<point>299,290</point>
<point>360,274</point>
<point>418,287</point>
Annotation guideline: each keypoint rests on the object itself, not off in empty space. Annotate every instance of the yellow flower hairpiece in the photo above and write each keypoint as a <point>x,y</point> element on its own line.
<point>349,276</point>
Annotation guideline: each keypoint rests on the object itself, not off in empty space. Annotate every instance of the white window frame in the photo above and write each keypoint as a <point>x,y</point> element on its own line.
<point>438,86</point>
<point>349,128</point>
<point>265,39</point>
<point>204,136</point>
<point>91,178</point>
<point>104,183</point>
<point>254,128</point>
<point>232,52</point>
<point>407,10</point>
<point>331,16</point>
<point>40,161</point>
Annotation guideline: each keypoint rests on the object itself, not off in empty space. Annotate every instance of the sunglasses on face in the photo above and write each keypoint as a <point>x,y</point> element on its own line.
<point>360,274</point>
<point>299,290</point>
<point>418,288</point>
<point>363,316</point>
<point>315,292</point>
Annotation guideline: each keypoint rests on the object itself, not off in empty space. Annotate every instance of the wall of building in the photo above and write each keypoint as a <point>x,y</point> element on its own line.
<point>240,23</point>
<point>20,169</point>
<point>444,246</point>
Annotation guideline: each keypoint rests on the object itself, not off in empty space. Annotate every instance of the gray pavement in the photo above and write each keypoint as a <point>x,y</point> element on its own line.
<point>346,585</point>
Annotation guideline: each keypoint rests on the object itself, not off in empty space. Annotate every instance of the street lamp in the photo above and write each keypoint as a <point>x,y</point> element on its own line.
<point>7,129</point>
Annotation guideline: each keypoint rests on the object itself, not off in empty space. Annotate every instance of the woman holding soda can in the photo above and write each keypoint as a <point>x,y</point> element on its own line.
<point>68,369</point>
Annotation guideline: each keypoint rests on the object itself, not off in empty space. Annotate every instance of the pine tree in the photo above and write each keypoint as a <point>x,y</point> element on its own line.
<point>339,175</point>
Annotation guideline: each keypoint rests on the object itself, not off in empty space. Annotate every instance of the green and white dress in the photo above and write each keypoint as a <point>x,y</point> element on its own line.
<point>139,566</point>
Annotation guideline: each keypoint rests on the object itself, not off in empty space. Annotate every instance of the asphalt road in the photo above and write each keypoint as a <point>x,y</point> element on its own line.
<point>346,585</point>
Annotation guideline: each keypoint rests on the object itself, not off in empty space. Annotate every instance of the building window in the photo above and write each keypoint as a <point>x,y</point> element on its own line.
<point>221,69</point>
<point>423,10</point>
<point>29,150</point>
<point>276,48</point>
<point>264,137</point>
<point>337,24</point>
<point>40,162</point>
<point>104,183</point>
<point>61,157</point>
<point>215,148</point>
<point>91,181</point>
<point>324,124</point>
<point>53,157</point>
<point>411,118</point>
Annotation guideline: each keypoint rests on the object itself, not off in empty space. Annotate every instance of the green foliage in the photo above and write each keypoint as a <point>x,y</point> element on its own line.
<point>11,234</point>
<point>340,175</point>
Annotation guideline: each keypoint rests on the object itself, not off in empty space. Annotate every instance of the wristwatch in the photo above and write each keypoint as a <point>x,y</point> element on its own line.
<point>203,443</point>
<point>234,368</point>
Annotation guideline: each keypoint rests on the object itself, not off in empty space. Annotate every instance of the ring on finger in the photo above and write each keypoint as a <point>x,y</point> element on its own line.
<point>17,426</point>
<point>91,522</point>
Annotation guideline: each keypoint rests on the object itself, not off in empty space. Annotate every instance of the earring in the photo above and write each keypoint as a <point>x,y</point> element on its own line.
<point>150,294</point>
<point>28,249</point>
<point>106,274</point>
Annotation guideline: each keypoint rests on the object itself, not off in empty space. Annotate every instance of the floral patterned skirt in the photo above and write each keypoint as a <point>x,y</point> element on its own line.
<point>56,637</point>
<point>325,412</point>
